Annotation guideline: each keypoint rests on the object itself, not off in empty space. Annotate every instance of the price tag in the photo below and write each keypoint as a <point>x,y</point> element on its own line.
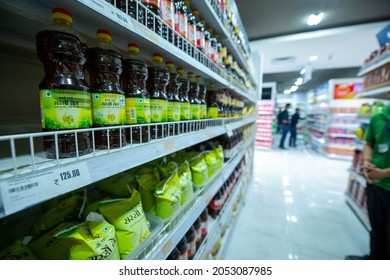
<point>110,11</point>
<point>18,194</point>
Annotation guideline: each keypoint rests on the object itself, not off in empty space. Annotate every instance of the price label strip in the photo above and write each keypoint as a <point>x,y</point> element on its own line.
<point>21,193</point>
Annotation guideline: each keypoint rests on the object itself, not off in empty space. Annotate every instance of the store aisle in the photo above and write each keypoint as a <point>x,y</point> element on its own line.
<point>296,209</point>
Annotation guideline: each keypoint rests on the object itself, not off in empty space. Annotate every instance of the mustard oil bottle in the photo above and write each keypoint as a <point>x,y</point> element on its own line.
<point>65,99</point>
<point>185,106</point>
<point>135,74</point>
<point>108,98</point>
<point>173,99</point>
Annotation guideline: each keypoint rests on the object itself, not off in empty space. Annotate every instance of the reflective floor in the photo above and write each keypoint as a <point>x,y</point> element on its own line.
<point>296,209</point>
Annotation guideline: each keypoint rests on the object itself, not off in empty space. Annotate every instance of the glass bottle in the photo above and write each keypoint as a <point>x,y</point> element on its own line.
<point>168,16</point>
<point>152,22</point>
<point>185,106</point>
<point>199,31</point>
<point>65,99</point>
<point>202,98</point>
<point>135,74</point>
<point>156,86</point>
<point>212,104</point>
<point>180,23</point>
<point>194,101</point>
<point>173,99</point>
<point>108,98</point>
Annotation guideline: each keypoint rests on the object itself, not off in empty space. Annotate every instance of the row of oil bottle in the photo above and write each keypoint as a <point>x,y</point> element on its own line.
<point>178,16</point>
<point>191,242</point>
<point>112,217</point>
<point>121,91</point>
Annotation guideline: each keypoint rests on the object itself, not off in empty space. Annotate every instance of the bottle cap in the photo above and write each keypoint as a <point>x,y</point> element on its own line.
<point>198,79</point>
<point>133,49</point>
<point>180,71</point>
<point>158,58</point>
<point>190,75</point>
<point>104,36</point>
<point>195,12</point>
<point>203,22</point>
<point>170,65</point>
<point>62,16</point>
<point>187,3</point>
<point>216,36</point>
<point>212,85</point>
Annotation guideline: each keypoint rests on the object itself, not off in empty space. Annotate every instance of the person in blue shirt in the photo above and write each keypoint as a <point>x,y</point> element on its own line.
<point>293,127</point>
<point>283,119</point>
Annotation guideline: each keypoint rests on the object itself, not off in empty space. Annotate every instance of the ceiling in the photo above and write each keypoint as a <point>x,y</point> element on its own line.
<point>346,36</point>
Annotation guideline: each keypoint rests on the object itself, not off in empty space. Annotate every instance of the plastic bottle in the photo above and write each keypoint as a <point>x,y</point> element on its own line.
<point>198,233</point>
<point>135,74</point>
<point>108,98</point>
<point>191,243</point>
<point>199,31</point>
<point>180,23</point>
<point>174,255</point>
<point>221,104</point>
<point>212,104</point>
<point>156,86</point>
<point>204,217</point>
<point>218,51</point>
<point>183,250</point>
<point>212,46</point>
<point>173,99</point>
<point>65,99</point>
<point>151,21</point>
<point>193,94</point>
<point>202,98</point>
<point>207,42</point>
<point>216,204</point>
<point>168,16</point>
<point>191,28</point>
<point>185,106</point>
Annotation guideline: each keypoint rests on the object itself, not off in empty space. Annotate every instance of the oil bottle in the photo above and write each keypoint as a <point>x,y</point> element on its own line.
<point>181,24</point>
<point>202,98</point>
<point>108,98</point>
<point>199,31</point>
<point>194,101</point>
<point>135,74</point>
<point>185,106</point>
<point>173,99</point>
<point>212,104</point>
<point>156,86</point>
<point>167,15</point>
<point>65,99</point>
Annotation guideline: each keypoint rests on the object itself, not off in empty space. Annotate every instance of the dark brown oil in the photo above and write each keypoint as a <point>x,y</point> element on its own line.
<point>185,106</point>
<point>173,103</point>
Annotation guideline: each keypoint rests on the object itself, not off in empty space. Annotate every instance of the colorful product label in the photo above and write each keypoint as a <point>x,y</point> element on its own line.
<point>185,111</point>
<point>212,112</point>
<point>65,109</point>
<point>108,109</point>
<point>159,110</point>
<point>183,25</point>
<point>167,12</point>
<point>203,111</point>
<point>200,39</point>
<point>195,111</point>
<point>192,34</point>
<point>173,111</point>
<point>137,110</point>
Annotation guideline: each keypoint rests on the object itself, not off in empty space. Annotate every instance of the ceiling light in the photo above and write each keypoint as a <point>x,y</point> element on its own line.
<point>299,82</point>
<point>315,19</point>
<point>313,58</point>
<point>287,91</point>
<point>294,88</point>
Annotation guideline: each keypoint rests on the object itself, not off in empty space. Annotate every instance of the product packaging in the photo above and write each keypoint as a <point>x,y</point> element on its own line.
<point>168,196</point>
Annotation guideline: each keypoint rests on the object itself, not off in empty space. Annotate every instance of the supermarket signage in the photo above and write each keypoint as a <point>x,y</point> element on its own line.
<point>347,90</point>
<point>18,194</point>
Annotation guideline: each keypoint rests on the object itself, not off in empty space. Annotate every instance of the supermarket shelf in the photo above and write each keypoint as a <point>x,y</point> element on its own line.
<point>379,93</point>
<point>269,129</point>
<point>343,125</point>
<point>91,15</point>
<point>168,241</point>
<point>344,115</point>
<point>264,148</point>
<point>321,130</point>
<point>318,113</point>
<point>341,146</point>
<point>341,135</point>
<point>209,14</point>
<point>358,177</point>
<point>373,66</point>
<point>263,138</point>
<point>336,156</point>
<point>317,139</point>
<point>359,211</point>
<point>264,121</point>
<point>41,181</point>
<point>265,112</point>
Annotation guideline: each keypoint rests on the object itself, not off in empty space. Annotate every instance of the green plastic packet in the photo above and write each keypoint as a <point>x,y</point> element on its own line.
<point>147,180</point>
<point>94,206</point>
<point>93,239</point>
<point>49,246</point>
<point>128,217</point>
<point>185,182</point>
<point>199,170</point>
<point>166,169</point>
<point>119,185</point>
<point>168,196</point>
<point>211,161</point>
<point>18,250</point>
<point>66,209</point>
<point>218,151</point>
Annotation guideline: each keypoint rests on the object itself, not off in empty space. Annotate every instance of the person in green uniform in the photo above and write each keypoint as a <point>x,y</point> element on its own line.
<point>376,170</point>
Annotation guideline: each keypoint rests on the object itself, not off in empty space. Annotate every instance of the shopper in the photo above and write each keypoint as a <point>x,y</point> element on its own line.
<point>293,127</point>
<point>283,119</point>
<point>376,170</point>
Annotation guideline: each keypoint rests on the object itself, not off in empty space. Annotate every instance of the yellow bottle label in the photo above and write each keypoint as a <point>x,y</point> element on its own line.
<point>195,108</point>
<point>173,111</point>
<point>108,109</point>
<point>159,110</point>
<point>65,109</point>
<point>203,111</point>
<point>137,110</point>
<point>212,112</point>
<point>185,111</point>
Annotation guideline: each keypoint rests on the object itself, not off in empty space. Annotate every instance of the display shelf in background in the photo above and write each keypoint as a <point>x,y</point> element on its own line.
<point>378,93</point>
<point>265,124</point>
<point>374,65</point>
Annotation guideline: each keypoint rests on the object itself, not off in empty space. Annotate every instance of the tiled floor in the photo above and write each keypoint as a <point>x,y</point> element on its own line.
<point>296,209</point>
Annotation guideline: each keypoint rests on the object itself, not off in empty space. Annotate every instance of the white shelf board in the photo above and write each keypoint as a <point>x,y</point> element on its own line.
<point>373,66</point>
<point>344,115</point>
<point>336,156</point>
<point>359,211</point>
<point>341,135</point>
<point>379,93</point>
